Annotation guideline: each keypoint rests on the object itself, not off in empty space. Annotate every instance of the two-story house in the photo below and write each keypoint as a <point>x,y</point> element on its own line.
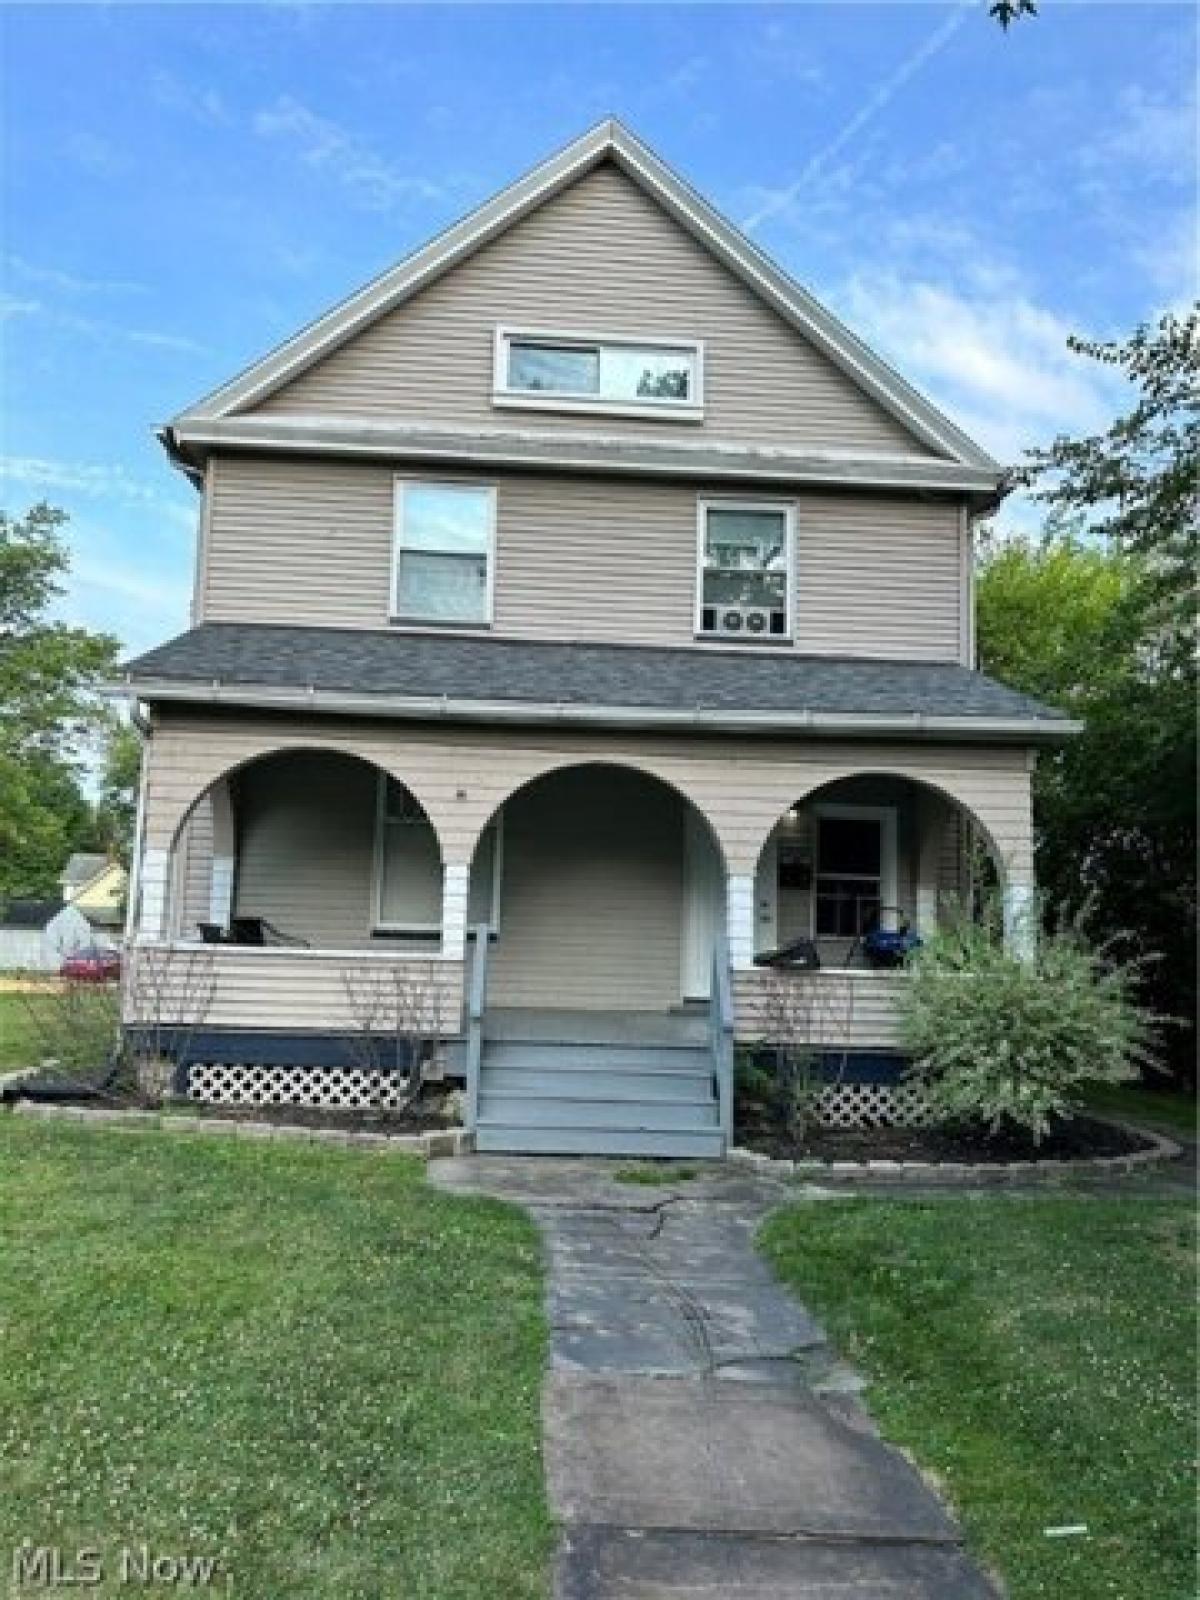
<point>582,582</point>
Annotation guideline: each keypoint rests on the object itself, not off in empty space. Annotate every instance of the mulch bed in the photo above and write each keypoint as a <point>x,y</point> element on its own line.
<point>430,1118</point>
<point>1071,1139</point>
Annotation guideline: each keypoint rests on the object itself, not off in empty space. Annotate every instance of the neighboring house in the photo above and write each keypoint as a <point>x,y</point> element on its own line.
<point>36,935</point>
<point>97,886</point>
<point>580,580</point>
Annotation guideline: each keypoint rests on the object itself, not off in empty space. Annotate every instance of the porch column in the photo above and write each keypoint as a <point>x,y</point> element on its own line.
<point>739,919</point>
<point>156,865</point>
<point>931,819</point>
<point>455,876</point>
<point>1020,919</point>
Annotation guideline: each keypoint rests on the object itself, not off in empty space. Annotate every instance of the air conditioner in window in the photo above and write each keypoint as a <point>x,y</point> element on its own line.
<point>745,622</point>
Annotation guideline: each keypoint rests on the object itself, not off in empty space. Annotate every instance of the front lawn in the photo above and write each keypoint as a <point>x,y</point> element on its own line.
<point>1166,1108</point>
<point>1037,1355</point>
<point>300,1359</point>
<point>19,1044</point>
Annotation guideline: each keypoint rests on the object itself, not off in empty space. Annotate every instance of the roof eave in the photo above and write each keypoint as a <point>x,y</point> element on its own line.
<point>817,724</point>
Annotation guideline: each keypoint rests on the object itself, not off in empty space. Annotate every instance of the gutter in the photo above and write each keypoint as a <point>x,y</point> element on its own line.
<point>821,724</point>
<point>607,456</point>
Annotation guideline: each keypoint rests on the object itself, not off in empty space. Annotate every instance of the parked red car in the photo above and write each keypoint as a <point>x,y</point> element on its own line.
<point>92,964</point>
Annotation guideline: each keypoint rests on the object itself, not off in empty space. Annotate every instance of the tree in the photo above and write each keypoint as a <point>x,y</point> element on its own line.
<point>116,807</point>
<point>1098,617</point>
<point>50,714</point>
<point>1006,12</point>
<point>1135,484</point>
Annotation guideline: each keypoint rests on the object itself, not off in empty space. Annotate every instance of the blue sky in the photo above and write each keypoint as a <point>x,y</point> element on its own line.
<point>183,186</point>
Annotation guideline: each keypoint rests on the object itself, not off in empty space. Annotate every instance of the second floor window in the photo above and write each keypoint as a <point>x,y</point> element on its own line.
<point>443,552</point>
<point>745,570</point>
<point>600,374</point>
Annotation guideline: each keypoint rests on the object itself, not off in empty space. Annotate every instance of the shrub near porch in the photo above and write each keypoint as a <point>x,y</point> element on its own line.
<point>301,1360</point>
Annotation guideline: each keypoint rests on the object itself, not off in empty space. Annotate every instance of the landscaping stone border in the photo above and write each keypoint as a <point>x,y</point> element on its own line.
<point>436,1142</point>
<point>971,1173</point>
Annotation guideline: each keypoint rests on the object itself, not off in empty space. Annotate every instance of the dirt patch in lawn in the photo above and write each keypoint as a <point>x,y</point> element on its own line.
<point>1073,1139</point>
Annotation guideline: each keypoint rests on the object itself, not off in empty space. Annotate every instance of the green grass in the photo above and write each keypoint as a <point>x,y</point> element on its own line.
<point>1165,1107</point>
<point>300,1359</point>
<point>651,1174</point>
<point>1034,1353</point>
<point>19,1045</point>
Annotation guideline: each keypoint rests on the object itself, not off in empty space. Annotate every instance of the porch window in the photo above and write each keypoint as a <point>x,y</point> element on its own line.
<point>850,875</point>
<point>408,865</point>
<point>582,372</point>
<point>443,552</point>
<point>745,557</point>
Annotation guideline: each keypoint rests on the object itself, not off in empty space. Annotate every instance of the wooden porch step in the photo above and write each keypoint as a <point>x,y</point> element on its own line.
<point>550,1111</point>
<point>573,1082</point>
<point>543,1055</point>
<point>500,1139</point>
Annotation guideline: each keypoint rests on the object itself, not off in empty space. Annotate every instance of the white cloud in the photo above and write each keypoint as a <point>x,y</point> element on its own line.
<point>98,481</point>
<point>101,328</point>
<point>1148,132</point>
<point>70,282</point>
<point>998,363</point>
<point>200,104</point>
<point>370,178</point>
<point>785,198</point>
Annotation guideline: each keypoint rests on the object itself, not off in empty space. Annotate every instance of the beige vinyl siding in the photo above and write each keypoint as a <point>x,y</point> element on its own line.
<point>306,991</point>
<point>599,258</point>
<point>879,576</point>
<point>849,1010</point>
<point>591,902</point>
<point>577,558</point>
<point>462,775</point>
<point>195,855</point>
<point>306,833</point>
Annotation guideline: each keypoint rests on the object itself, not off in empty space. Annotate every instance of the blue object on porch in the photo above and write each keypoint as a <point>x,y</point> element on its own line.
<point>890,947</point>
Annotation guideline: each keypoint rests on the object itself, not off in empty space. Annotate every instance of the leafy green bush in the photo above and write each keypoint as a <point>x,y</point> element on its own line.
<point>999,1039</point>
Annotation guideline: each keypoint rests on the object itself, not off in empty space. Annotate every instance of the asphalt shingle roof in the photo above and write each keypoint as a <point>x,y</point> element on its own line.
<point>423,666</point>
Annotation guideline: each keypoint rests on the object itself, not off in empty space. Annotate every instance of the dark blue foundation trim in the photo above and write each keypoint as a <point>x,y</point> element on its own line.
<point>852,1066</point>
<point>281,1049</point>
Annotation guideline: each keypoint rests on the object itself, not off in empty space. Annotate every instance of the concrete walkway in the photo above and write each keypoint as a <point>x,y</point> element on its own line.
<point>701,1438</point>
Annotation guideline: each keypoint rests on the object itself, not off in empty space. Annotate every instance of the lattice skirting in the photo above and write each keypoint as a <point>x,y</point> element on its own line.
<point>237,1084</point>
<point>873,1105</point>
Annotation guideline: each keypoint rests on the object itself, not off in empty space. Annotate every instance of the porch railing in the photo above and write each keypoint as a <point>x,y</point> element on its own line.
<point>476,1006</point>
<point>720,1026</point>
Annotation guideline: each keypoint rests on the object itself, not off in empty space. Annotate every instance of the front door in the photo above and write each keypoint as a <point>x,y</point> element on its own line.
<point>703,906</point>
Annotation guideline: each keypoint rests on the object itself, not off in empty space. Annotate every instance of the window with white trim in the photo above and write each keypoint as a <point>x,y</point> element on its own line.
<point>408,865</point>
<point>745,577</point>
<point>854,885</point>
<point>444,543</point>
<point>580,372</point>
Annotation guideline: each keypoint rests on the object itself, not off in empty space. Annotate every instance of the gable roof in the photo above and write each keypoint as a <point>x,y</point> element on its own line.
<point>445,677</point>
<point>608,141</point>
<point>81,868</point>
<point>29,913</point>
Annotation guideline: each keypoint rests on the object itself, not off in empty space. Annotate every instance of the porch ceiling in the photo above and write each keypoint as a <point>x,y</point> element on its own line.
<point>420,674</point>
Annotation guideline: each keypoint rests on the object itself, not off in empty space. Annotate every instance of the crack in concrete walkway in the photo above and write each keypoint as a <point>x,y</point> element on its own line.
<point>701,1436</point>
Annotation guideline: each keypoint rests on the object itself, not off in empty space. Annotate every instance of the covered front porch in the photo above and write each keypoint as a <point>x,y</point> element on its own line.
<point>570,880</point>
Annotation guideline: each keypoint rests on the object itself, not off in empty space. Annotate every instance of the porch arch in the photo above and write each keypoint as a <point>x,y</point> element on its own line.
<point>297,836</point>
<point>612,889</point>
<point>918,829</point>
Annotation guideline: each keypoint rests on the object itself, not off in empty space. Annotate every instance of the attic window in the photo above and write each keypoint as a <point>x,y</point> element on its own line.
<point>579,372</point>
